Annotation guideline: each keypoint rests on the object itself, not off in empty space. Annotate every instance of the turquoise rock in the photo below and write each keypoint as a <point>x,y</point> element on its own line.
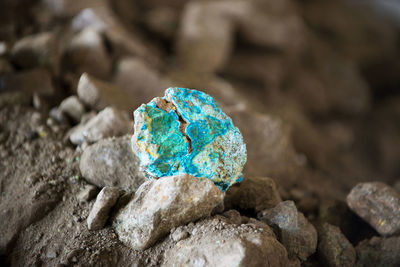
<point>186,132</point>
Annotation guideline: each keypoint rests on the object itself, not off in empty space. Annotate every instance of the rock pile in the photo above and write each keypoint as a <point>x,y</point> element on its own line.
<point>306,94</point>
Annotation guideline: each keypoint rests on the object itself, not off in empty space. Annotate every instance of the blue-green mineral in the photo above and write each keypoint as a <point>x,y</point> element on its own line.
<point>186,132</point>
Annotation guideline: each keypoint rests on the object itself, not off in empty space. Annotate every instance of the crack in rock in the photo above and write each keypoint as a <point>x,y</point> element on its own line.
<point>186,132</point>
<point>167,106</point>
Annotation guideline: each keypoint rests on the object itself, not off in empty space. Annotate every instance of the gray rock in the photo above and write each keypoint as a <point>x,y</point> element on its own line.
<point>254,193</point>
<point>160,205</point>
<point>36,51</point>
<point>333,247</point>
<point>105,200</point>
<point>111,162</point>
<point>378,204</point>
<point>3,48</point>
<point>108,123</point>
<point>99,94</point>
<point>179,234</point>
<point>103,18</point>
<point>87,18</point>
<point>217,242</point>
<point>379,251</point>
<point>294,231</point>
<point>72,107</point>
<point>87,193</point>
<point>87,53</point>
<point>57,115</point>
<point>201,46</point>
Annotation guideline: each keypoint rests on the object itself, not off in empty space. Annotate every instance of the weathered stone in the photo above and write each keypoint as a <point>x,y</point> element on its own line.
<point>201,46</point>
<point>337,213</point>
<point>179,234</point>
<point>333,247</point>
<point>87,193</point>
<point>124,41</point>
<point>73,108</point>
<point>254,193</point>
<point>87,53</point>
<point>108,123</point>
<point>111,162</point>
<point>217,242</point>
<point>379,251</point>
<point>139,80</point>
<point>99,94</point>
<point>39,50</point>
<point>160,205</point>
<point>186,132</point>
<point>294,231</point>
<point>378,204</point>
<point>105,200</point>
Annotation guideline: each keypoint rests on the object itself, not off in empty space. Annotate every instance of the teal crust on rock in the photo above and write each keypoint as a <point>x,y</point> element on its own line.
<point>186,132</point>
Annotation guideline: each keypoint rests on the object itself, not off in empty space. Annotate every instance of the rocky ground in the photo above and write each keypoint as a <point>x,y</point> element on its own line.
<point>312,85</point>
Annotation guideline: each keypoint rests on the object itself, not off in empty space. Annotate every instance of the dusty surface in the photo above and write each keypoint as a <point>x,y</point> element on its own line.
<point>317,101</point>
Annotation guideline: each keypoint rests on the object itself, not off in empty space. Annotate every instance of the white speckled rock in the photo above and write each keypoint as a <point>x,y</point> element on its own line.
<point>217,242</point>
<point>111,162</point>
<point>378,204</point>
<point>72,107</point>
<point>105,200</point>
<point>160,205</point>
<point>99,94</point>
<point>109,122</point>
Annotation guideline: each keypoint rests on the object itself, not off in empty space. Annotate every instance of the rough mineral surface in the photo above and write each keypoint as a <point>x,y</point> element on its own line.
<point>105,200</point>
<point>255,193</point>
<point>295,232</point>
<point>186,132</point>
<point>218,242</point>
<point>111,162</point>
<point>72,107</point>
<point>334,249</point>
<point>378,204</point>
<point>109,122</point>
<point>160,205</point>
<point>379,251</point>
